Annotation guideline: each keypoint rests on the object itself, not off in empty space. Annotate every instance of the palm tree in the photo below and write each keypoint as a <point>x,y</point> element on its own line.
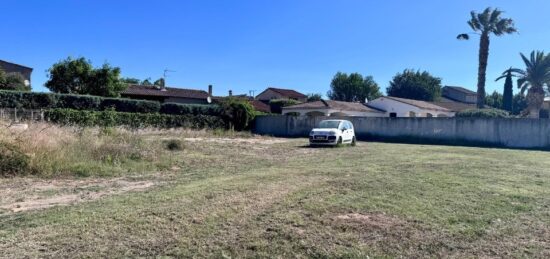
<point>484,24</point>
<point>533,79</point>
<point>508,94</point>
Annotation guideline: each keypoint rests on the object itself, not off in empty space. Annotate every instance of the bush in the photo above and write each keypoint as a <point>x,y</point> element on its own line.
<point>482,113</point>
<point>129,105</point>
<point>77,102</point>
<point>111,118</point>
<point>174,145</point>
<point>237,114</point>
<point>278,104</point>
<point>193,109</point>
<point>12,160</point>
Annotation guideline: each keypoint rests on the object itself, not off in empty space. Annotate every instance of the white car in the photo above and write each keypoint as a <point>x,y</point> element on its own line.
<point>333,132</point>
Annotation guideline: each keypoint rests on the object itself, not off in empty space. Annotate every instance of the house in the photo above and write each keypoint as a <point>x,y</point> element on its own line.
<point>459,94</point>
<point>332,108</point>
<point>260,106</point>
<point>168,94</point>
<point>401,107</point>
<point>454,106</point>
<point>9,67</point>
<point>278,93</point>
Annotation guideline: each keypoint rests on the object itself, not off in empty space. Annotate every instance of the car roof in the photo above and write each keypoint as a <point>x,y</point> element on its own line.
<point>336,120</point>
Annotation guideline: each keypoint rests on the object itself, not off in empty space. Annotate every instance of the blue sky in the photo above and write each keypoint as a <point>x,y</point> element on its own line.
<point>252,44</point>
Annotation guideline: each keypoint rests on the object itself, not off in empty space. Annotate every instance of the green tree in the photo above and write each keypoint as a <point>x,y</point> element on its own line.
<point>507,99</point>
<point>487,23</point>
<point>237,113</point>
<point>314,97</point>
<point>533,80</point>
<point>415,85</point>
<point>159,82</point>
<point>147,81</point>
<point>494,100</point>
<point>13,81</point>
<point>353,88</point>
<point>105,81</point>
<point>70,76</point>
<point>77,76</point>
<point>131,81</point>
<point>519,104</point>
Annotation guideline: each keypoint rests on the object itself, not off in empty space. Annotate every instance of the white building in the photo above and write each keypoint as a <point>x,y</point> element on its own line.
<point>401,107</point>
<point>333,108</point>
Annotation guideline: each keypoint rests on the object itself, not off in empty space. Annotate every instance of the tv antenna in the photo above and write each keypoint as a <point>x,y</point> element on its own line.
<point>165,74</point>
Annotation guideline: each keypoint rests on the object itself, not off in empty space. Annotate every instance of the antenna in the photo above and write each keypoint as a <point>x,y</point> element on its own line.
<point>164,75</point>
<point>252,93</point>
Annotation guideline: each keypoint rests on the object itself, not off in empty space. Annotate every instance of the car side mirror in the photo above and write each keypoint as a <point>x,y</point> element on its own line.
<point>344,129</point>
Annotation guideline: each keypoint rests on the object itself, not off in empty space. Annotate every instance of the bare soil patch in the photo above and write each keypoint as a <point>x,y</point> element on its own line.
<point>265,141</point>
<point>21,195</point>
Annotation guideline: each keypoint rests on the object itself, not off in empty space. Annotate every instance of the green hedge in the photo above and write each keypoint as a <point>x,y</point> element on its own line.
<point>134,120</point>
<point>482,113</point>
<point>28,100</point>
<point>193,109</point>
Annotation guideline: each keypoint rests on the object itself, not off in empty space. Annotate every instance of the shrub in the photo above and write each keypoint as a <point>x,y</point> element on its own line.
<point>194,109</point>
<point>237,114</point>
<point>174,145</point>
<point>482,113</point>
<point>278,104</point>
<point>77,102</point>
<point>12,160</point>
<point>112,118</point>
<point>129,105</point>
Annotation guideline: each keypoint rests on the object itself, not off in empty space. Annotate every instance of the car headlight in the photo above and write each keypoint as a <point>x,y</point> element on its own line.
<point>332,133</point>
<point>311,133</point>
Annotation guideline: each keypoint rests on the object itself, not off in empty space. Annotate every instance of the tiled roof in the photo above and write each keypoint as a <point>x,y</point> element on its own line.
<point>454,105</point>
<point>461,89</point>
<point>338,105</point>
<point>287,93</point>
<point>260,106</point>
<point>150,90</point>
<point>417,103</point>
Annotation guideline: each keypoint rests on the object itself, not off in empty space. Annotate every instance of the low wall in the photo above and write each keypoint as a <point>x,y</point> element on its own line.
<point>513,133</point>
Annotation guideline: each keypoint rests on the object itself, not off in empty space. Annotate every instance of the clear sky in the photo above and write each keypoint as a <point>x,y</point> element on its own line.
<point>252,44</point>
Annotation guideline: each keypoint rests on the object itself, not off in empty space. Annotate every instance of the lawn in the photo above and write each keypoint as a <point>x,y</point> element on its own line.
<point>267,197</point>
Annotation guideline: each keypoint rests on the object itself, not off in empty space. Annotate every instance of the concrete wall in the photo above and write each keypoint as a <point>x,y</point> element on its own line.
<point>513,133</point>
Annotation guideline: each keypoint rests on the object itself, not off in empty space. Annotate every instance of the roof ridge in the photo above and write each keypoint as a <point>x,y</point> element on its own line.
<point>16,64</point>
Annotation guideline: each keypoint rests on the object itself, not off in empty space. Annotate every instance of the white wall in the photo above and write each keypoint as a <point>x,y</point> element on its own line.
<point>517,133</point>
<point>404,110</point>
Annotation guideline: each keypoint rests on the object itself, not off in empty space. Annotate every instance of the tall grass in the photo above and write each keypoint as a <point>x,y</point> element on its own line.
<point>55,151</point>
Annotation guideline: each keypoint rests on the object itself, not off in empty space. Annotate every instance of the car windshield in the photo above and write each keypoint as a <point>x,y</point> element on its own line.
<point>329,124</point>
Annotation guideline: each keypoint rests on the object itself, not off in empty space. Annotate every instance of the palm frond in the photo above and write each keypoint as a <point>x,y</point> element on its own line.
<point>474,22</point>
<point>463,36</point>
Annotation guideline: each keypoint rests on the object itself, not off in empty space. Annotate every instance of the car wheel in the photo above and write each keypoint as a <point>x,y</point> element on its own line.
<point>353,142</point>
<point>339,143</point>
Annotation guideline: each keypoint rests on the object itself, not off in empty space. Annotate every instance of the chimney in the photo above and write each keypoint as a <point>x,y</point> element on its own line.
<point>209,90</point>
<point>230,93</point>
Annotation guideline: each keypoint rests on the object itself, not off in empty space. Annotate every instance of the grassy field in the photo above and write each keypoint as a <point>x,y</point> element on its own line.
<point>263,197</point>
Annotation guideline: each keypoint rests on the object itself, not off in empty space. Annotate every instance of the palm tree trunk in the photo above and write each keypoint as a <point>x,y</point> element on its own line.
<point>482,69</point>
<point>535,100</point>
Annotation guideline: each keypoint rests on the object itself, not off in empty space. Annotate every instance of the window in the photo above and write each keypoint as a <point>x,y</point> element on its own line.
<point>429,115</point>
<point>412,114</point>
<point>393,115</point>
<point>329,124</point>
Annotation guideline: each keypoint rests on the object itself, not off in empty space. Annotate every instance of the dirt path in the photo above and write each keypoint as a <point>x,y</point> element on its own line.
<point>24,194</point>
